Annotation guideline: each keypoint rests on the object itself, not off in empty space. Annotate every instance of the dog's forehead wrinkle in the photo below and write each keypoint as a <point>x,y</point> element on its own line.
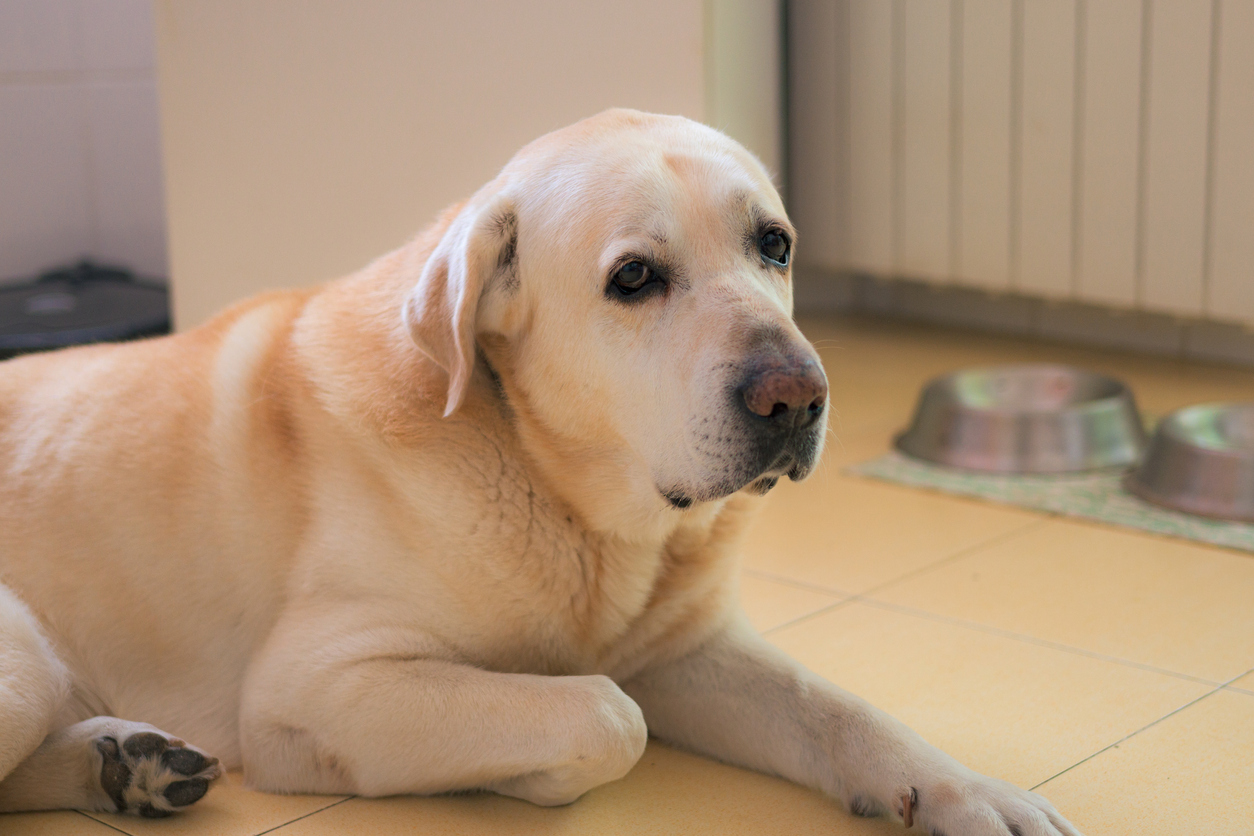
<point>644,182</point>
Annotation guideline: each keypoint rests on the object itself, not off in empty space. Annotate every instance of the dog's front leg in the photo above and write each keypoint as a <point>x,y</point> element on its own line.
<point>738,699</point>
<point>369,713</point>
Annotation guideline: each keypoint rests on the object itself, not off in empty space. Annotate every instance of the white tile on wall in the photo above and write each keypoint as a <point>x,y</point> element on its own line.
<point>1107,240</point>
<point>984,250</point>
<point>117,34</point>
<point>818,158</point>
<point>870,132</point>
<point>45,216</point>
<point>1046,139</point>
<point>1230,285</point>
<point>38,36</point>
<point>80,166</point>
<point>926,141</point>
<point>1176,147</point>
<point>126,160</point>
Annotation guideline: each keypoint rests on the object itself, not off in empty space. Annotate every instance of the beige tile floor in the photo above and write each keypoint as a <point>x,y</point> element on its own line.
<point>1112,670</point>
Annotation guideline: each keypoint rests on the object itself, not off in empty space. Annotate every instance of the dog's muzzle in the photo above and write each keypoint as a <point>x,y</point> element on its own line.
<point>783,411</point>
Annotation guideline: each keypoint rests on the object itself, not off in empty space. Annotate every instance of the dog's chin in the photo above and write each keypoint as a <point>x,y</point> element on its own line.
<point>795,470</point>
<point>684,497</point>
<point>758,482</point>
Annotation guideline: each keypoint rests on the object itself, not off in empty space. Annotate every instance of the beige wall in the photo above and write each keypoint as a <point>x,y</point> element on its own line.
<point>304,137</point>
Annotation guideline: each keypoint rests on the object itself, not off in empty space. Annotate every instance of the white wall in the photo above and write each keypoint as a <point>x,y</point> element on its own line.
<point>1097,151</point>
<point>80,168</point>
<point>744,91</point>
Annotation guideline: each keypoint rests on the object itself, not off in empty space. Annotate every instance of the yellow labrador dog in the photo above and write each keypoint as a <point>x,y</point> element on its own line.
<point>465,519</point>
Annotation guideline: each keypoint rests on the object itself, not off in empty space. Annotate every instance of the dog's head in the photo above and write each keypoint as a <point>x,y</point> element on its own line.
<point>629,279</point>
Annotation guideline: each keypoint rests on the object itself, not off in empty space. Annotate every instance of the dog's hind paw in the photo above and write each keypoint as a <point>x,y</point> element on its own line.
<point>149,773</point>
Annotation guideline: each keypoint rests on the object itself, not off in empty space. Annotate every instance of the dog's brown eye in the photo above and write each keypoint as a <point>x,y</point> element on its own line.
<point>631,277</point>
<point>774,247</point>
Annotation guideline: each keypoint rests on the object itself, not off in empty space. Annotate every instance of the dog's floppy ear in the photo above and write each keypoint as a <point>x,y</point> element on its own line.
<point>440,311</point>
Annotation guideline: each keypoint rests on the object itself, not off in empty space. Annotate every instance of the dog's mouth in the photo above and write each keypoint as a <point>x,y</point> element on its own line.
<point>788,464</point>
<point>758,481</point>
<point>755,464</point>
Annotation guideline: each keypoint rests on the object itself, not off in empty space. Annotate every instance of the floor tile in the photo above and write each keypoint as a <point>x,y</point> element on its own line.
<point>849,534</point>
<point>769,603</point>
<point>1153,600</point>
<point>1189,775</point>
<point>1007,708</point>
<point>59,823</point>
<point>852,448</point>
<point>668,792</point>
<point>229,809</point>
<point>1245,684</point>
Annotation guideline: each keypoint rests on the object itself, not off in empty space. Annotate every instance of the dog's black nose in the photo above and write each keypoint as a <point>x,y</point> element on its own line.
<point>789,396</point>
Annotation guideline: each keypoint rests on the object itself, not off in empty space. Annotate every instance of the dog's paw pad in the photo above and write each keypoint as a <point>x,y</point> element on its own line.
<point>152,775</point>
<point>183,793</point>
<point>186,761</point>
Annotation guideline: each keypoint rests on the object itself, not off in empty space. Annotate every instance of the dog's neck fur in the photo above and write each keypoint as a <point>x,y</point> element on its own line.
<point>644,559</point>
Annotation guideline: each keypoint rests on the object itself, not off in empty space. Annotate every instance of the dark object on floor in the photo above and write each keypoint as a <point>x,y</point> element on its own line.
<point>86,303</point>
<point>1032,418</point>
<point>1201,461</point>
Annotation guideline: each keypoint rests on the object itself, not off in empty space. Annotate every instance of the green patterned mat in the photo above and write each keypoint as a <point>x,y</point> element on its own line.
<point>1093,496</point>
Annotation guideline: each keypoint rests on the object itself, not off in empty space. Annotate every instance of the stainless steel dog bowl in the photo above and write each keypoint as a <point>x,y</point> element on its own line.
<point>1025,419</point>
<point>1201,461</point>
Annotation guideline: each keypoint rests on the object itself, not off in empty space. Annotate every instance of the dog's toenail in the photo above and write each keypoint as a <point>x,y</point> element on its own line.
<point>108,747</point>
<point>150,812</point>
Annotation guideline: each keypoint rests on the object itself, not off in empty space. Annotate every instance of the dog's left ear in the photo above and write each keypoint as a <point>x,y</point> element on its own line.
<point>441,309</point>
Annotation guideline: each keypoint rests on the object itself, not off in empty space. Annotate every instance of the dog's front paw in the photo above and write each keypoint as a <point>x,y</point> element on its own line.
<point>151,774</point>
<point>975,805</point>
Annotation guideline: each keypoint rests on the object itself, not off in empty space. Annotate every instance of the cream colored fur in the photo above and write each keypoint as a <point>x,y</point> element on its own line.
<point>406,533</point>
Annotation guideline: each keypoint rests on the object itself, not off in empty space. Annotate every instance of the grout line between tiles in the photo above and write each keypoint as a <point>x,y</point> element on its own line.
<point>307,815</point>
<point>1221,687</point>
<point>966,551</point>
<point>831,590</point>
<point>812,614</point>
<point>865,598</point>
<point>83,77</point>
<point>98,821</point>
<point>796,584</point>
<point>1027,639</point>
<point>1239,690</point>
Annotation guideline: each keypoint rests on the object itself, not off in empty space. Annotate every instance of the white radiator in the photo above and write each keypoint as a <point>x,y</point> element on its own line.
<point>1092,150</point>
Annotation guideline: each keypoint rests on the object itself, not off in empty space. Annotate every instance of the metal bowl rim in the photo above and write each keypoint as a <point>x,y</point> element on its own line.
<point>1112,400</point>
<point>1171,427</point>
